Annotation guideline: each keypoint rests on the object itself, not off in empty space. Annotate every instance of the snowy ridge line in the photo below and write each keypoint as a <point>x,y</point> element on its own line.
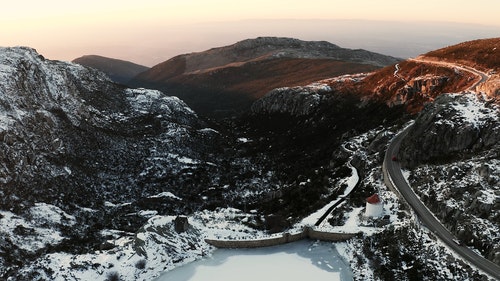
<point>285,237</point>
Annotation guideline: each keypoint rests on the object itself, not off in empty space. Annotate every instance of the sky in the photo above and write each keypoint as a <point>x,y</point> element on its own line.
<point>151,31</point>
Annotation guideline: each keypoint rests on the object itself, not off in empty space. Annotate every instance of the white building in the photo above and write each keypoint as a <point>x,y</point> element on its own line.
<point>374,206</point>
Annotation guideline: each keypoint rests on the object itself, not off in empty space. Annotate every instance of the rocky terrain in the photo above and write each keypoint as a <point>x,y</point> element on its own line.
<point>119,71</point>
<point>395,246</point>
<point>97,154</point>
<point>480,54</point>
<point>105,159</point>
<point>94,174</point>
<point>452,153</point>
<point>452,127</point>
<point>415,83</point>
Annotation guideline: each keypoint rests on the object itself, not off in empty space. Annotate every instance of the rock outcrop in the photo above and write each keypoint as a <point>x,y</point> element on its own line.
<point>296,101</point>
<point>67,130</point>
<point>454,125</point>
<point>491,87</point>
<point>419,88</point>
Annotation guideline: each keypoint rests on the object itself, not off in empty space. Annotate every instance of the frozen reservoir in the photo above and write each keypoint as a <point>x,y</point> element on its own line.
<point>303,260</point>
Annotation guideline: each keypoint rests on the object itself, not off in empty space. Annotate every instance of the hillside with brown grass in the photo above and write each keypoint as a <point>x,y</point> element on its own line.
<point>483,54</point>
<point>119,71</point>
<point>228,79</point>
<point>420,81</point>
<point>257,78</point>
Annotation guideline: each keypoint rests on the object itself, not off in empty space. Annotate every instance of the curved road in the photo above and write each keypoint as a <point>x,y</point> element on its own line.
<point>394,179</point>
<point>482,77</point>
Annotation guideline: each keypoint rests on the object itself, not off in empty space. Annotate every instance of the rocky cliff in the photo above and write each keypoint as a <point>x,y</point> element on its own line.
<point>296,101</point>
<point>452,152</point>
<point>451,127</point>
<point>68,128</point>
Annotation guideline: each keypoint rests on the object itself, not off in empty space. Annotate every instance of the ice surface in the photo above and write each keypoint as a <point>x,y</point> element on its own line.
<point>298,261</point>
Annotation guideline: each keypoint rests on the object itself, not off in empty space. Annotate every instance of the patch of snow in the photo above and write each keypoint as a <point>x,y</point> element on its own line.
<point>143,100</point>
<point>406,175</point>
<point>166,194</point>
<point>27,235</point>
<point>473,110</point>
<point>208,130</point>
<point>244,140</point>
<point>43,213</point>
<point>67,169</point>
<point>147,213</point>
<point>186,160</point>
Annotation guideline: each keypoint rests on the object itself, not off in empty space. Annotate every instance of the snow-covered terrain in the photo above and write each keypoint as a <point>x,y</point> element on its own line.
<point>398,247</point>
<point>156,247</point>
<point>464,193</point>
<point>85,164</point>
<point>296,261</point>
<point>93,176</point>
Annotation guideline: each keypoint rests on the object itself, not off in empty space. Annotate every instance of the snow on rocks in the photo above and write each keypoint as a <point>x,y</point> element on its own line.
<point>463,195</point>
<point>146,101</point>
<point>46,214</point>
<point>451,125</point>
<point>472,110</point>
<point>71,137</point>
<point>155,248</point>
<point>45,84</point>
<point>166,194</point>
<point>40,228</point>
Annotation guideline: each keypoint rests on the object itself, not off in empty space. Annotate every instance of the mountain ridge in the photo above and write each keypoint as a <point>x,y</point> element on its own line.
<point>261,48</point>
<point>416,82</point>
<point>223,79</point>
<point>120,71</point>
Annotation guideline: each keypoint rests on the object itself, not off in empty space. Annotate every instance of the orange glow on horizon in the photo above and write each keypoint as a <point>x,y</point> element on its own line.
<point>56,27</point>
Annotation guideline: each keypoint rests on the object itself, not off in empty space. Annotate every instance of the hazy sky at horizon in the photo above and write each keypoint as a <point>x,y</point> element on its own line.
<point>150,31</point>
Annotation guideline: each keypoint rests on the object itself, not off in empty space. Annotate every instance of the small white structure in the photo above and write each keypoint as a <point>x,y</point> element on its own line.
<point>374,206</point>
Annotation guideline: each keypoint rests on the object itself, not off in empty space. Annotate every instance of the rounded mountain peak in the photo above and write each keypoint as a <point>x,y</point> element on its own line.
<point>283,42</point>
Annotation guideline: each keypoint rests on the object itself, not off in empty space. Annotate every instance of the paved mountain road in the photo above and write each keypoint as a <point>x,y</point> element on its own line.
<point>393,176</point>
<point>481,76</point>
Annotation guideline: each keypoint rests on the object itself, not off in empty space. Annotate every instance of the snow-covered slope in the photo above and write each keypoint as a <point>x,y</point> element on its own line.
<point>80,154</point>
<point>86,163</point>
<point>454,165</point>
<point>398,246</point>
<point>92,175</point>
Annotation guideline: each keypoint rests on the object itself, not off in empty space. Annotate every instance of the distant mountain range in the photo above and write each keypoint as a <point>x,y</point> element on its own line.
<point>119,71</point>
<point>228,79</point>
